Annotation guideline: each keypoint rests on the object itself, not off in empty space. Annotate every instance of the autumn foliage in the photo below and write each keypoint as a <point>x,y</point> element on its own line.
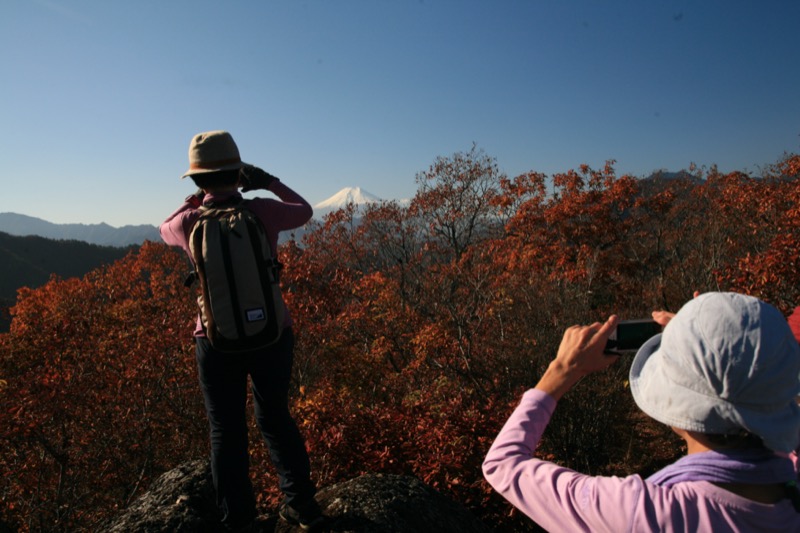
<point>418,328</point>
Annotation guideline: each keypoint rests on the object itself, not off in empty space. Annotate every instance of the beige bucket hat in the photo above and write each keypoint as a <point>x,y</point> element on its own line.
<point>211,151</point>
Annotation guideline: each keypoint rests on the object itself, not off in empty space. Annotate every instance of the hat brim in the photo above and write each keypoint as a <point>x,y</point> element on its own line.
<point>658,394</point>
<point>230,166</point>
<point>642,371</point>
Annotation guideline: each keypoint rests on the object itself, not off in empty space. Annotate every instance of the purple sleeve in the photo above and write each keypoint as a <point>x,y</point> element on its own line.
<point>175,229</point>
<point>292,211</point>
<point>556,498</point>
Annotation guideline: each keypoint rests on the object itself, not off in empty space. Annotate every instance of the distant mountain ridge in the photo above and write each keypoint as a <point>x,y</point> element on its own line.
<point>100,234</point>
<point>106,235</point>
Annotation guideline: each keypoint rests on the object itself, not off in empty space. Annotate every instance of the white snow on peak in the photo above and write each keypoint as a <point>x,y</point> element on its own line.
<point>348,195</point>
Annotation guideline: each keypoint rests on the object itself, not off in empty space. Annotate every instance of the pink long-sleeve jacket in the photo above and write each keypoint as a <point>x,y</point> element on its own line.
<point>560,499</point>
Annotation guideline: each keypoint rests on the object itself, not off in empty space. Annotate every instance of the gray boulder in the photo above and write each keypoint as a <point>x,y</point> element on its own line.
<point>182,501</point>
<point>377,503</point>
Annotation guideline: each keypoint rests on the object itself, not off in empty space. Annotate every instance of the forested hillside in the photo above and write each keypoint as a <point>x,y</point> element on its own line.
<point>418,329</point>
<point>30,261</point>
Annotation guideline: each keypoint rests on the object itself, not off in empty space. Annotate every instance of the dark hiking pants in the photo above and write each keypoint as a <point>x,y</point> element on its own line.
<point>223,379</point>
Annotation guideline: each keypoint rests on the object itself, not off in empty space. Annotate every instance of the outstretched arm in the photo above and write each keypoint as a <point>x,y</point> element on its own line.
<point>556,497</point>
<point>580,353</point>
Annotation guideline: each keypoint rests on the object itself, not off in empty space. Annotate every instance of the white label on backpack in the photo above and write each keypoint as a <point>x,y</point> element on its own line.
<point>254,315</point>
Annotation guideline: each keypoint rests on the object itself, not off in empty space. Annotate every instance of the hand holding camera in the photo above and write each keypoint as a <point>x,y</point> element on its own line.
<point>580,354</point>
<point>630,335</point>
<point>252,178</point>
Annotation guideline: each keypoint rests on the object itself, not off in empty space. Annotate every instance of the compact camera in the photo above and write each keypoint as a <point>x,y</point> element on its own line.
<point>630,335</point>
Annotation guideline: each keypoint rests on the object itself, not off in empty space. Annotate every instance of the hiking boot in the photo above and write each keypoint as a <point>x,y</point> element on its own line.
<point>307,515</point>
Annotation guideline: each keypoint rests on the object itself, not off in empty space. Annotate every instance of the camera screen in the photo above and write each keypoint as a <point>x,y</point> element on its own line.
<point>632,334</point>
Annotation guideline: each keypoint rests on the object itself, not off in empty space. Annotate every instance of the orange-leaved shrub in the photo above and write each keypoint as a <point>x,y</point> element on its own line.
<point>99,391</point>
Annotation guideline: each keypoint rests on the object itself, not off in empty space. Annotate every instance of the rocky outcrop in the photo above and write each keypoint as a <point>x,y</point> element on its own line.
<point>376,503</point>
<point>182,501</point>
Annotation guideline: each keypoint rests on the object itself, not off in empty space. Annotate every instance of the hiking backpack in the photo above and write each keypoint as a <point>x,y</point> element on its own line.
<point>239,298</point>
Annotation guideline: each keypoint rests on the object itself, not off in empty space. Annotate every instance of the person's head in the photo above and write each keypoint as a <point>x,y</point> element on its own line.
<point>214,161</point>
<point>726,366</point>
<point>222,180</point>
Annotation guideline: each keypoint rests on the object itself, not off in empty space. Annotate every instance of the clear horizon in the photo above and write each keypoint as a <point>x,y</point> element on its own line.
<point>101,99</point>
<point>343,196</point>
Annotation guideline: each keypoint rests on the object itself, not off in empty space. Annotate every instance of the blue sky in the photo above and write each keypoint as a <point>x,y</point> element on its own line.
<point>99,99</point>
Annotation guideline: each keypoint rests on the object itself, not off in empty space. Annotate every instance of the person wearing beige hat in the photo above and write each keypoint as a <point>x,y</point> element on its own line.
<point>216,168</point>
<point>724,375</point>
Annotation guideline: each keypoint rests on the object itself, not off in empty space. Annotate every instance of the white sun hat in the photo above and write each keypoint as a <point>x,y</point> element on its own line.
<point>725,363</point>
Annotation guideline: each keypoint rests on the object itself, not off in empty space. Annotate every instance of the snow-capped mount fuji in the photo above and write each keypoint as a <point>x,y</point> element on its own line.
<point>348,195</point>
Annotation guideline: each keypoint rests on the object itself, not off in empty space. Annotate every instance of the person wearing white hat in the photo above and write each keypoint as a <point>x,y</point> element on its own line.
<point>725,375</point>
<point>217,169</point>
